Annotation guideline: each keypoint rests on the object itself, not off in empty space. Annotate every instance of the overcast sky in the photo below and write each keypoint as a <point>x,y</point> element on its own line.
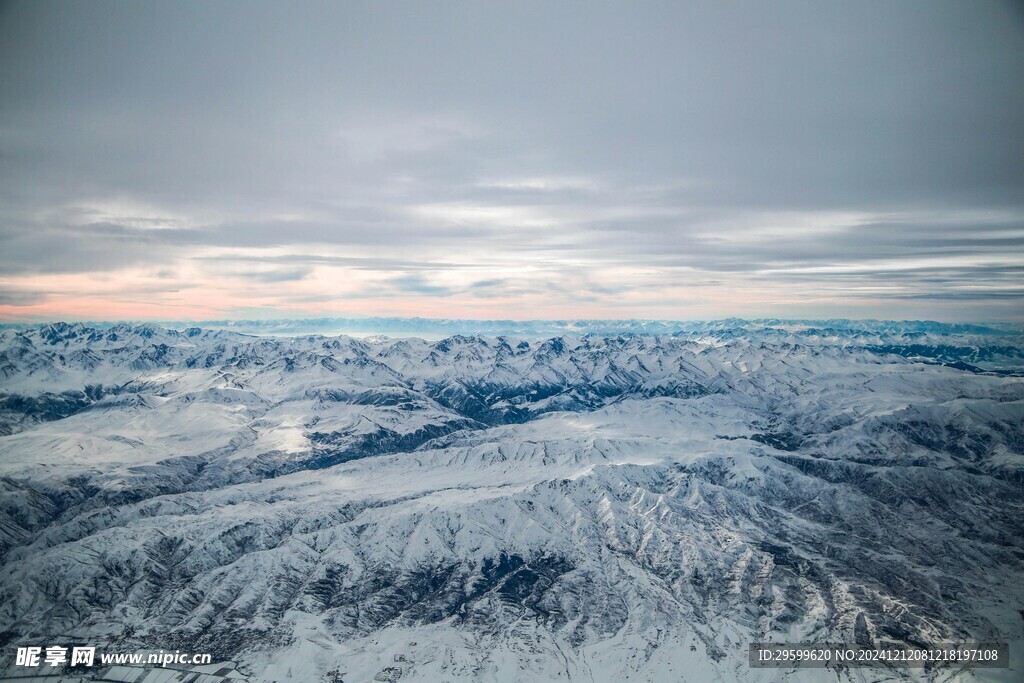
<point>671,160</point>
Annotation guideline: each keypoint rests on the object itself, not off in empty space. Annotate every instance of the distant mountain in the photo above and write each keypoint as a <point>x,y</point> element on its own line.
<point>436,328</point>
<point>604,503</point>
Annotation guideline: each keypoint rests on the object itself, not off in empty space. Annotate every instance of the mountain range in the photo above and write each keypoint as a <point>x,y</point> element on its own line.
<point>604,503</point>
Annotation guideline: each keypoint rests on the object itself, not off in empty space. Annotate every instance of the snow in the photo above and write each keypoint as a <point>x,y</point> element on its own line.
<point>580,508</point>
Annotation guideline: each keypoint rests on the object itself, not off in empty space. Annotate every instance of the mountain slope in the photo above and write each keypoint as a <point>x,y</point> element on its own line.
<point>576,508</point>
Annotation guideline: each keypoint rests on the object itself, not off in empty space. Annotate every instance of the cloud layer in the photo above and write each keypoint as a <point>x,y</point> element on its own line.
<point>608,160</point>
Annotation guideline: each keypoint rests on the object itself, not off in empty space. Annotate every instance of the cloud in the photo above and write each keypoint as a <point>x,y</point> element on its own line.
<point>21,298</point>
<point>269,276</point>
<point>358,263</point>
<point>664,159</point>
<point>403,137</point>
<point>417,284</point>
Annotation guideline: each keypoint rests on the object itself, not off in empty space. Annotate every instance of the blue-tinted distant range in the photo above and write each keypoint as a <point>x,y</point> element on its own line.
<point>608,160</point>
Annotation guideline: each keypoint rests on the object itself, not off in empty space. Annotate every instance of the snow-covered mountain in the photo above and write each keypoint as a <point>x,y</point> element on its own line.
<point>580,507</point>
